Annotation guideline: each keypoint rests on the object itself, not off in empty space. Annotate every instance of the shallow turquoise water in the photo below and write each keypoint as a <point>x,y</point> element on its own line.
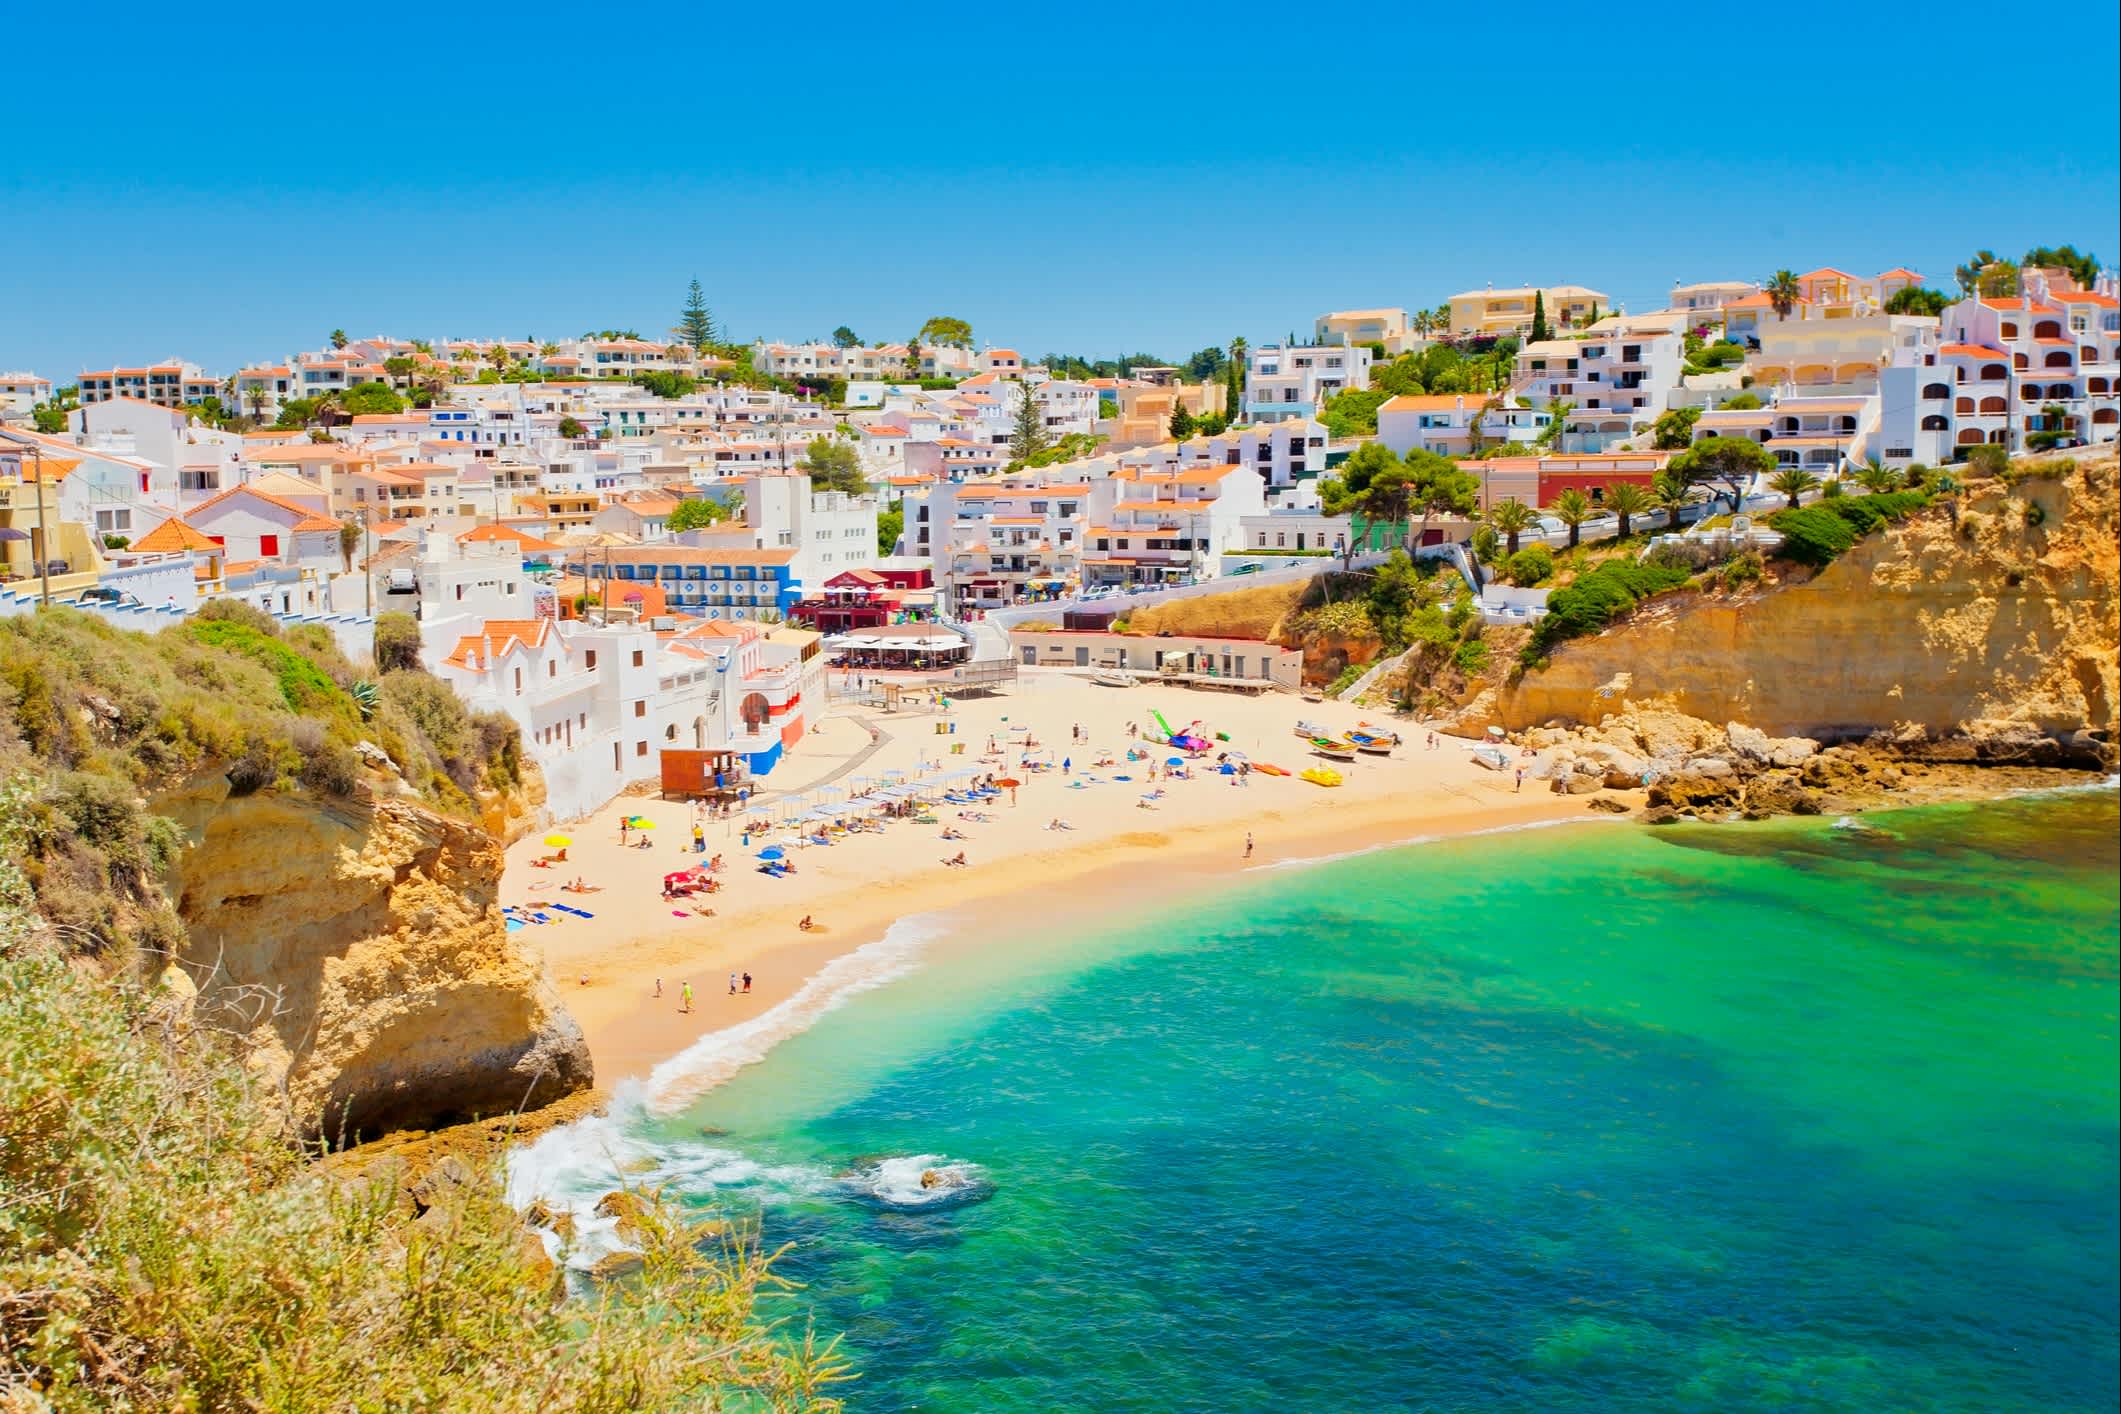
<point>1718,1118</point>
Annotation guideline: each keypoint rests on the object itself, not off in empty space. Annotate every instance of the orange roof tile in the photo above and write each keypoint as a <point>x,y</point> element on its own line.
<point>174,535</point>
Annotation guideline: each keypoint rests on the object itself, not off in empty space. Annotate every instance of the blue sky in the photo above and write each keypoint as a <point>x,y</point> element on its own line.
<point>1094,181</point>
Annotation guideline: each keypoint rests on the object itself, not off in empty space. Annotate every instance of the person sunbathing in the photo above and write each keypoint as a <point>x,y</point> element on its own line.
<point>953,833</point>
<point>807,925</point>
<point>1056,823</point>
<point>956,861</point>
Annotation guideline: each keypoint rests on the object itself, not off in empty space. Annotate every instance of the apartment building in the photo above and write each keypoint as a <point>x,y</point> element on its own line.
<point>20,393</point>
<point>1818,352</point>
<point>1498,312</point>
<point>705,583</point>
<point>1299,380</point>
<point>1348,327</point>
<point>2045,361</point>
<point>171,384</point>
<point>1822,434</point>
<point>1282,454</point>
<point>1444,423</point>
<point>1145,407</point>
<point>995,543</point>
<point>1157,527</point>
<point>1619,375</point>
<point>1705,301</point>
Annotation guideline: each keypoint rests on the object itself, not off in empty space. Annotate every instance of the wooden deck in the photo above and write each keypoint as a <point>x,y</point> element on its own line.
<point>1246,685</point>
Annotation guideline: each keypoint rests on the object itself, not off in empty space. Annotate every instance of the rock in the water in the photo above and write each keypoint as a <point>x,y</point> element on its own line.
<point>1779,794</point>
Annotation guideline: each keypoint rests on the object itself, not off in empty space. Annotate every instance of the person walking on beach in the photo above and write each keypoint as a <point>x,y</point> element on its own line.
<point>699,839</point>
<point>732,984</point>
<point>685,992</point>
<point>1248,844</point>
<point>1520,779</point>
<point>659,986</point>
<point>747,981</point>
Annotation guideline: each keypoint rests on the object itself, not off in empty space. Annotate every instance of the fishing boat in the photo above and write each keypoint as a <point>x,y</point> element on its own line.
<point>1384,734</point>
<point>1371,745</point>
<point>1321,776</point>
<point>1312,694</point>
<point>1491,758</point>
<point>1310,730</point>
<point>1332,748</point>
<point>1112,677</point>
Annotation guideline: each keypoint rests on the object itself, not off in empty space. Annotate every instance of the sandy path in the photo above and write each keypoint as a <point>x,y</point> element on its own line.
<point>1018,868</point>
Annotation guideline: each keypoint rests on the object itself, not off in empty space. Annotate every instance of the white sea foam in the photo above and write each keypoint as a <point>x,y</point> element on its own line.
<point>570,1167</point>
<point>1306,861</point>
<point>715,1057</point>
<point>897,1182</point>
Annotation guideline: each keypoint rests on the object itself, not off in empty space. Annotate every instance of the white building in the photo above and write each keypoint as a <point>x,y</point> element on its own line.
<point>1157,527</point>
<point>1298,381</point>
<point>1704,301</point>
<point>20,393</point>
<point>1444,423</point>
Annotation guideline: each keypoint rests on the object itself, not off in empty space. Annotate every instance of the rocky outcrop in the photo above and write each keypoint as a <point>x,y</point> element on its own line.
<point>358,949</point>
<point>1981,631</point>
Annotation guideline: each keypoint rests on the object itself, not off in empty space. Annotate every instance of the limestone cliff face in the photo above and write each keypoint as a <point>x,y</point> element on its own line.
<point>359,947</point>
<point>1991,622</point>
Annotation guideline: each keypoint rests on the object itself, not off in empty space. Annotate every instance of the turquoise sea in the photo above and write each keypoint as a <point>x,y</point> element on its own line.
<point>1720,1118</point>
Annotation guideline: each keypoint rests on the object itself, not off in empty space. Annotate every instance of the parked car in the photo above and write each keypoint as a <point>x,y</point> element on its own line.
<point>104,594</point>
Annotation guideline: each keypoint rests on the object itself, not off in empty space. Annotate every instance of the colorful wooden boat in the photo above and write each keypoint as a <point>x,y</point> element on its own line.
<point>1332,748</point>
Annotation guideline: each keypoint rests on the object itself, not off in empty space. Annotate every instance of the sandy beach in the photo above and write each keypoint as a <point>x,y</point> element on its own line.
<point>1118,848</point>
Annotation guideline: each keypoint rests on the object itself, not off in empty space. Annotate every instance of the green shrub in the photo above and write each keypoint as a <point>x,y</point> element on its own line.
<point>397,644</point>
<point>1813,535</point>
<point>1599,597</point>
<point>1988,460</point>
<point>1471,658</point>
<point>1534,564</point>
<point>163,1247</point>
<point>1487,545</point>
<point>1743,570</point>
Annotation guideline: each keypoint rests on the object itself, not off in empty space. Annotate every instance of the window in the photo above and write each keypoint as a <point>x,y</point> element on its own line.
<point>268,545</point>
<point>640,748</point>
<point>589,660</point>
<point>640,709</point>
<point>637,657</point>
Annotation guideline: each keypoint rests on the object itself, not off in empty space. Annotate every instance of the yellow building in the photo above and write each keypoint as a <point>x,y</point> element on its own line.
<point>1493,311</point>
<point>1366,326</point>
<point>1145,408</point>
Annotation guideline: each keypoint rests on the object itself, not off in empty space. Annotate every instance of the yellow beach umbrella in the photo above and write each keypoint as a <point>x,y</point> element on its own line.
<point>640,823</point>
<point>558,841</point>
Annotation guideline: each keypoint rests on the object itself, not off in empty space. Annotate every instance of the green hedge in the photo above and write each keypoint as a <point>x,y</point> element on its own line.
<point>1817,534</point>
<point>1599,597</point>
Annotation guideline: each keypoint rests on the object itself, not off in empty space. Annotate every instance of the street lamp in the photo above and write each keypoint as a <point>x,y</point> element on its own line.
<point>44,541</point>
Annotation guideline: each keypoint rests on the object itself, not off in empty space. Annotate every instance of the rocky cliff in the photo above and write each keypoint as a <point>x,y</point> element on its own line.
<point>1984,628</point>
<point>358,947</point>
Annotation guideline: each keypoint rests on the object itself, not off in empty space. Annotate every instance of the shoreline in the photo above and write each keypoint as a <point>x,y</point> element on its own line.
<point>862,891</point>
<point>860,888</point>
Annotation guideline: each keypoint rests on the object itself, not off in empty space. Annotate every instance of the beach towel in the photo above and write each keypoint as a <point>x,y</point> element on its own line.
<point>577,912</point>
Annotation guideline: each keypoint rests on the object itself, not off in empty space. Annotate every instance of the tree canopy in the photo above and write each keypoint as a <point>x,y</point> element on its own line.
<point>946,329</point>
<point>1917,299</point>
<point>2083,268</point>
<point>1730,462</point>
<point>845,338</point>
<point>371,398</point>
<point>1030,438</point>
<point>694,512</point>
<point>833,466</point>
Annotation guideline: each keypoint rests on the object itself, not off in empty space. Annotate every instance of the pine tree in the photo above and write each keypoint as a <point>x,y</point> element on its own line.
<point>1030,438</point>
<point>1539,317</point>
<point>695,320</point>
<point>1181,421</point>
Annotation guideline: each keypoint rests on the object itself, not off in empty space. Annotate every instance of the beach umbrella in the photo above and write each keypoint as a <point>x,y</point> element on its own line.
<point>558,841</point>
<point>1009,783</point>
<point>773,851</point>
<point>1174,761</point>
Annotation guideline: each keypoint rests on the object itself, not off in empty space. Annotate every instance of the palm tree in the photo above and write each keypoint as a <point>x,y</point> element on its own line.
<point>1783,292</point>
<point>1626,500</point>
<point>257,397</point>
<point>1877,478</point>
<point>338,338</point>
<point>1512,517</point>
<point>1792,482</point>
<point>1969,274</point>
<point>1572,508</point>
<point>1420,323</point>
<point>1670,494</point>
